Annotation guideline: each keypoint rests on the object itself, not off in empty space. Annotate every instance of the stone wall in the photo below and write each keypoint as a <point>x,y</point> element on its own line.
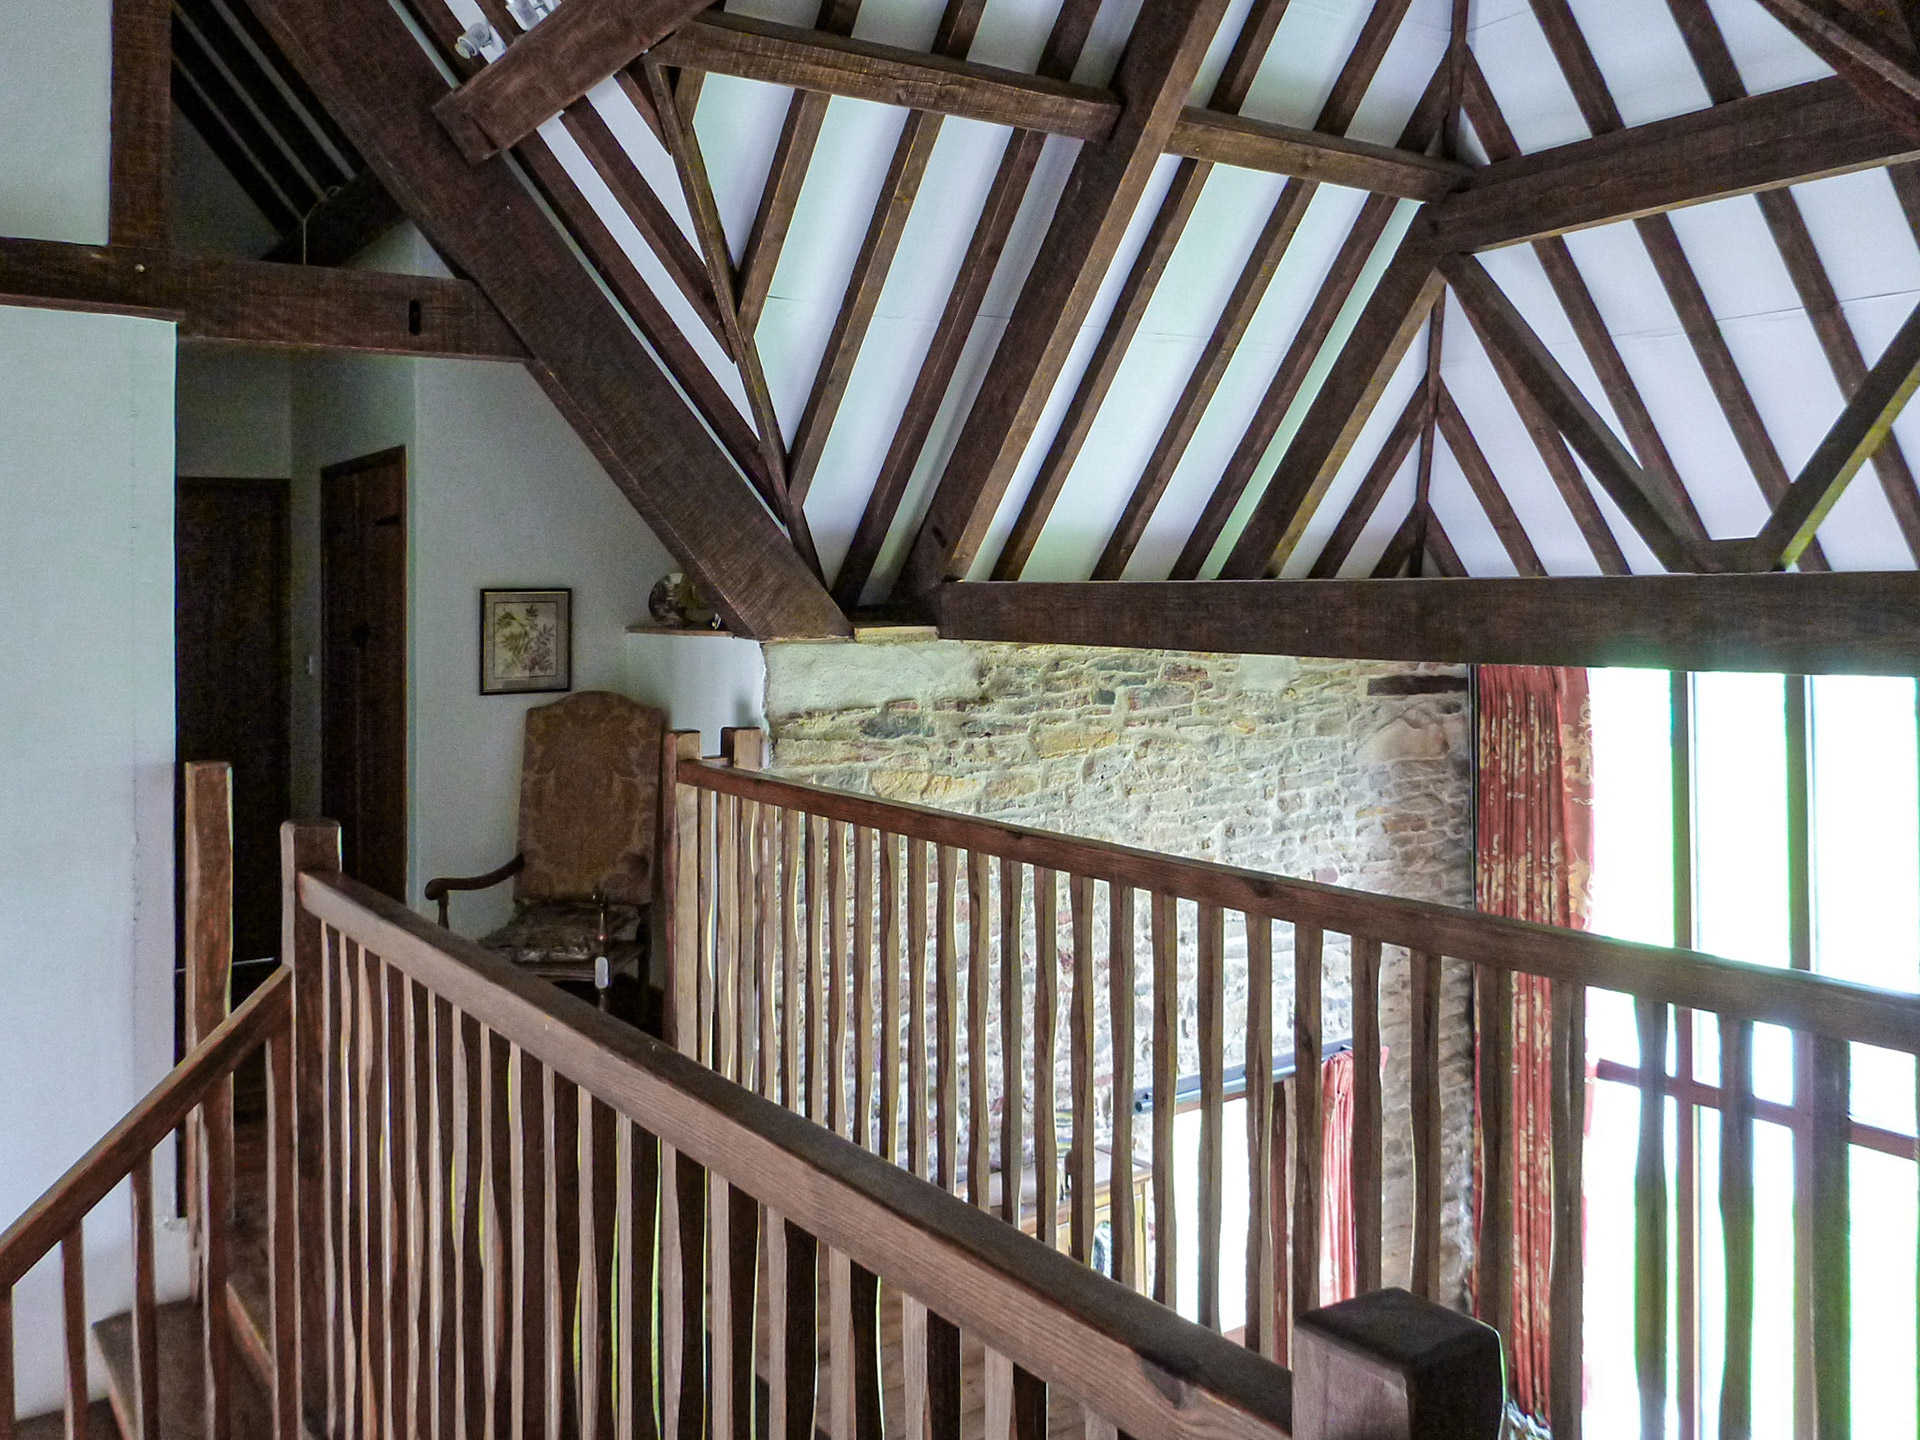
<point>1289,766</point>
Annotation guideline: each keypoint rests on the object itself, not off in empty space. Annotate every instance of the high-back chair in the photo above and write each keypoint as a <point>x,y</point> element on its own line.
<point>583,879</point>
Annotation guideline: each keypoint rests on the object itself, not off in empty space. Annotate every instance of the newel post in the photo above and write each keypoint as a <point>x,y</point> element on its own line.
<point>676,912</point>
<point>308,845</point>
<point>1391,1366</point>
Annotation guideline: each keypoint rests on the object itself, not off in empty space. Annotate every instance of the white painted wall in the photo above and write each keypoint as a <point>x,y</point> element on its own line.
<point>703,682</point>
<point>86,747</point>
<point>55,78</point>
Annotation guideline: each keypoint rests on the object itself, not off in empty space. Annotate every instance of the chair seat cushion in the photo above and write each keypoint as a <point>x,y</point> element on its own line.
<point>550,935</point>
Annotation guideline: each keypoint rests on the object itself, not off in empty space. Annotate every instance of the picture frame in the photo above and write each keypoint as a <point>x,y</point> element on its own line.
<point>526,641</point>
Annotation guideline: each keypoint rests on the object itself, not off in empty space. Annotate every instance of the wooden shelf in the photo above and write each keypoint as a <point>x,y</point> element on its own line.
<point>647,628</point>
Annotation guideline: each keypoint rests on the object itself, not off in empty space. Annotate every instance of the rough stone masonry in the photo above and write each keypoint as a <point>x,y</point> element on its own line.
<point>1291,766</point>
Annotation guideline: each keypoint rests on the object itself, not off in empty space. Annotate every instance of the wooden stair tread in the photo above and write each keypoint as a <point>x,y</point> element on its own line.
<point>182,1376</point>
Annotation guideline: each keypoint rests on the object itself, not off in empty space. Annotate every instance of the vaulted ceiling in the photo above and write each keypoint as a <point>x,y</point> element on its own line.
<point>1189,289</point>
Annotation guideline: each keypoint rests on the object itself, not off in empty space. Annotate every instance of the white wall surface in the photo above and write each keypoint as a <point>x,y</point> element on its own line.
<point>55,77</point>
<point>703,682</point>
<point>86,747</point>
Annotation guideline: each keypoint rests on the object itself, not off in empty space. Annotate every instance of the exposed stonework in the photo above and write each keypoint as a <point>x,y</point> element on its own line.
<point>1267,762</point>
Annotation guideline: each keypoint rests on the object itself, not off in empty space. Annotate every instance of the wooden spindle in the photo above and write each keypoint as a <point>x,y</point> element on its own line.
<point>146,1336</point>
<point>1046,1024</point>
<point>944,1395</point>
<point>675,1341</point>
<point>1424,1111</point>
<point>979,965</point>
<point>1493,1254</point>
<point>705,950</point>
<point>817,1067</point>
<point>530,1250</point>
<point>206,927</point>
<point>768,933</point>
<point>1309,1136</point>
<point>914,1399</point>
<point>793,966</point>
<point>865,1040</point>
<point>283,1223</point>
<point>1080,1042</point>
<point>443,1237</point>
<point>946,1006</point>
<point>470,1122</point>
<point>336,1113</point>
<point>1278,1188</point>
<point>800,1334</point>
<point>919,1098</point>
<point>422,1369</point>
<point>1261,1264</point>
<point>364,1241</point>
<point>1013,1084</point>
<point>679,923</point>
<point>1365,1165</point>
<point>640,1281</point>
<point>1566,1294</point>
<point>1650,1222</point>
<point>999,1396</point>
<point>779,1362</point>
<point>396,1309</point>
<point>1210,982</point>
<point>837,977</point>
<point>1120,1005</point>
<point>501,1259</point>
<point>564,1187</point>
<point>599,1223</point>
<point>841,1342</point>
<point>73,1304</point>
<point>726,936</point>
<point>1828,1136</point>
<point>890,996</point>
<point>1166,1078</point>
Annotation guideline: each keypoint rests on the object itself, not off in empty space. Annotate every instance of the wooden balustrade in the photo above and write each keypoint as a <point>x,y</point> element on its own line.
<point>978,901</point>
<point>508,1178</point>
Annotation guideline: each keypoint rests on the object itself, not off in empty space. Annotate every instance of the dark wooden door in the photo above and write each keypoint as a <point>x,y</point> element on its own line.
<point>230,675</point>
<point>363,718</point>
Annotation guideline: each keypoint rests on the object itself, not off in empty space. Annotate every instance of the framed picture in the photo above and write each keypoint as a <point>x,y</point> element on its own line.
<point>526,641</point>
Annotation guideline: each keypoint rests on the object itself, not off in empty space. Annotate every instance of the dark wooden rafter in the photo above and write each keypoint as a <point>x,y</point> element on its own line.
<point>1436,543</point>
<point>1130,305</point>
<point>1503,329</point>
<point>277,112</point>
<point>1169,41</point>
<point>1400,442</point>
<point>1596,341</point>
<point>362,60</point>
<point>675,107</point>
<point>944,351</point>
<point>1486,486</point>
<point>615,268</point>
<point>669,243</point>
<point>581,44</point>
<point>1863,427</point>
<point>1864,50</point>
<point>1847,623</point>
<point>1336,288</point>
<point>1422,512</point>
<point>1262,263</point>
<point>1676,272</point>
<point>727,44</point>
<point>1401,550</point>
<point>1788,226</point>
<point>799,133</point>
<point>255,302</point>
<point>140,164</point>
<point>1784,137</point>
<point>1394,313</point>
<point>871,266</point>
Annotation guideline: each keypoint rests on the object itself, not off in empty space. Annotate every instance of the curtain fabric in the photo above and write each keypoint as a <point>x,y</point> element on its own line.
<point>1534,861</point>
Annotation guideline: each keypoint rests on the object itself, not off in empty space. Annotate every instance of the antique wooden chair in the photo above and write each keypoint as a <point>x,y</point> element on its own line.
<point>583,880</point>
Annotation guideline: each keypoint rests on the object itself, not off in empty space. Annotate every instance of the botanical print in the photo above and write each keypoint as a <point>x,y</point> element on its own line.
<point>526,640</point>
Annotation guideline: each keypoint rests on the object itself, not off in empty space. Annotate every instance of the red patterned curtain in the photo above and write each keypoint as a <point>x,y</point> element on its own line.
<point>1534,862</point>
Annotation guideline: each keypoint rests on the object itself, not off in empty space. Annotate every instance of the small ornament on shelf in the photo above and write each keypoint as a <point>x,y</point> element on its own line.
<point>675,604</point>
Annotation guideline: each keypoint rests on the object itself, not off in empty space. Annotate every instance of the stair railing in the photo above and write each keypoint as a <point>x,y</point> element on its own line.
<point>199,1089</point>
<point>856,959</point>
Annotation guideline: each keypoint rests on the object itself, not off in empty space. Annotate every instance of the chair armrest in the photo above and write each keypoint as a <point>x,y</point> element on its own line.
<point>439,889</point>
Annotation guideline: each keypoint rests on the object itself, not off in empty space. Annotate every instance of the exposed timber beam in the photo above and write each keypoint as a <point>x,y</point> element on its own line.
<point>140,174</point>
<point>1780,138</point>
<point>1861,429</point>
<point>256,302</point>
<point>1170,39</point>
<point>1869,55</point>
<point>738,45</point>
<point>1502,328</point>
<point>1803,624</point>
<point>553,65</point>
<point>1393,315</point>
<point>371,73</point>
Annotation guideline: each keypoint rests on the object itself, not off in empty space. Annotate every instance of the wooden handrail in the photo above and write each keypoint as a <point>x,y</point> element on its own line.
<point>52,1217</point>
<point>1803,1001</point>
<point>1156,1377</point>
